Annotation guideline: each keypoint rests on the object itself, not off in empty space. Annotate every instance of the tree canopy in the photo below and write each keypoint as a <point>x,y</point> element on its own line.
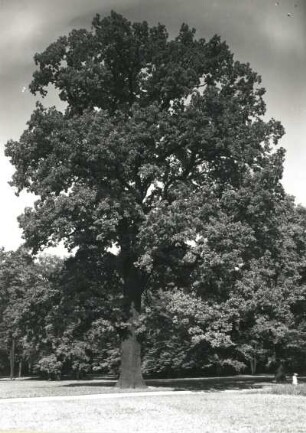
<point>162,153</point>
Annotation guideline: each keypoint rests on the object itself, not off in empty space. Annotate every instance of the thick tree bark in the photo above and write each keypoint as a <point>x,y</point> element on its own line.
<point>280,374</point>
<point>130,369</point>
<point>12,358</point>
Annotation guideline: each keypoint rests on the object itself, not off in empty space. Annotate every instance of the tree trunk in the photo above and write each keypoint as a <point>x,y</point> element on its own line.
<point>30,366</point>
<point>20,368</point>
<point>130,370</point>
<point>253,364</point>
<point>280,375</point>
<point>12,359</point>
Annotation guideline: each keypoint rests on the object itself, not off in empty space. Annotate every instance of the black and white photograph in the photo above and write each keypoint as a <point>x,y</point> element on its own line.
<point>153,216</point>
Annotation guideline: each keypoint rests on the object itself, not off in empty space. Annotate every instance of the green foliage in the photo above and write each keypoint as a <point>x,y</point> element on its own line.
<point>27,297</point>
<point>50,365</point>
<point>181,332</point>
<point>162,152</point>
<point>113,162</point>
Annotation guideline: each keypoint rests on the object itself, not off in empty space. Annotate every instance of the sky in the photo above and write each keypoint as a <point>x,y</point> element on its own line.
<point>269,34</point>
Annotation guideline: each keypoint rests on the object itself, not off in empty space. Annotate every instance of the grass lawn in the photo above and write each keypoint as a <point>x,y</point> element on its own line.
<point>289,390</point>
<point>210,409</point>
<point>216,412</point>
<point>43,388</point>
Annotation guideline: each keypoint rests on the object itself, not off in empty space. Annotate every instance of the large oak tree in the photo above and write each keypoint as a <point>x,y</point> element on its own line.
<point>159,141</point>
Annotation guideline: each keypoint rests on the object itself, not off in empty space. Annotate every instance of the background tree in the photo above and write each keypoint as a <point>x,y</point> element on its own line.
<point>160,140</point>
<point>76,318</point>
<point>24,287</point>
<point>16,276</point>
<point>241,307</point>
<point>270,289</point>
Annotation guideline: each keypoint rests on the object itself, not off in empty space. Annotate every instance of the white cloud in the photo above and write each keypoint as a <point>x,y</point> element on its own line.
<point>12,206</point>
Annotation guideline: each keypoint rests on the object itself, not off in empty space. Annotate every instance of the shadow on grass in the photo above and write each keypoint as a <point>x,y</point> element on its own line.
<point>214,384</point>
<point>102,384</point>
<point>194,384</point>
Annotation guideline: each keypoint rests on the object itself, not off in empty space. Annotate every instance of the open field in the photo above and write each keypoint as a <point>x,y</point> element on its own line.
<point>216,412</point>
<point>213,405</point>
<point>289,390</point>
